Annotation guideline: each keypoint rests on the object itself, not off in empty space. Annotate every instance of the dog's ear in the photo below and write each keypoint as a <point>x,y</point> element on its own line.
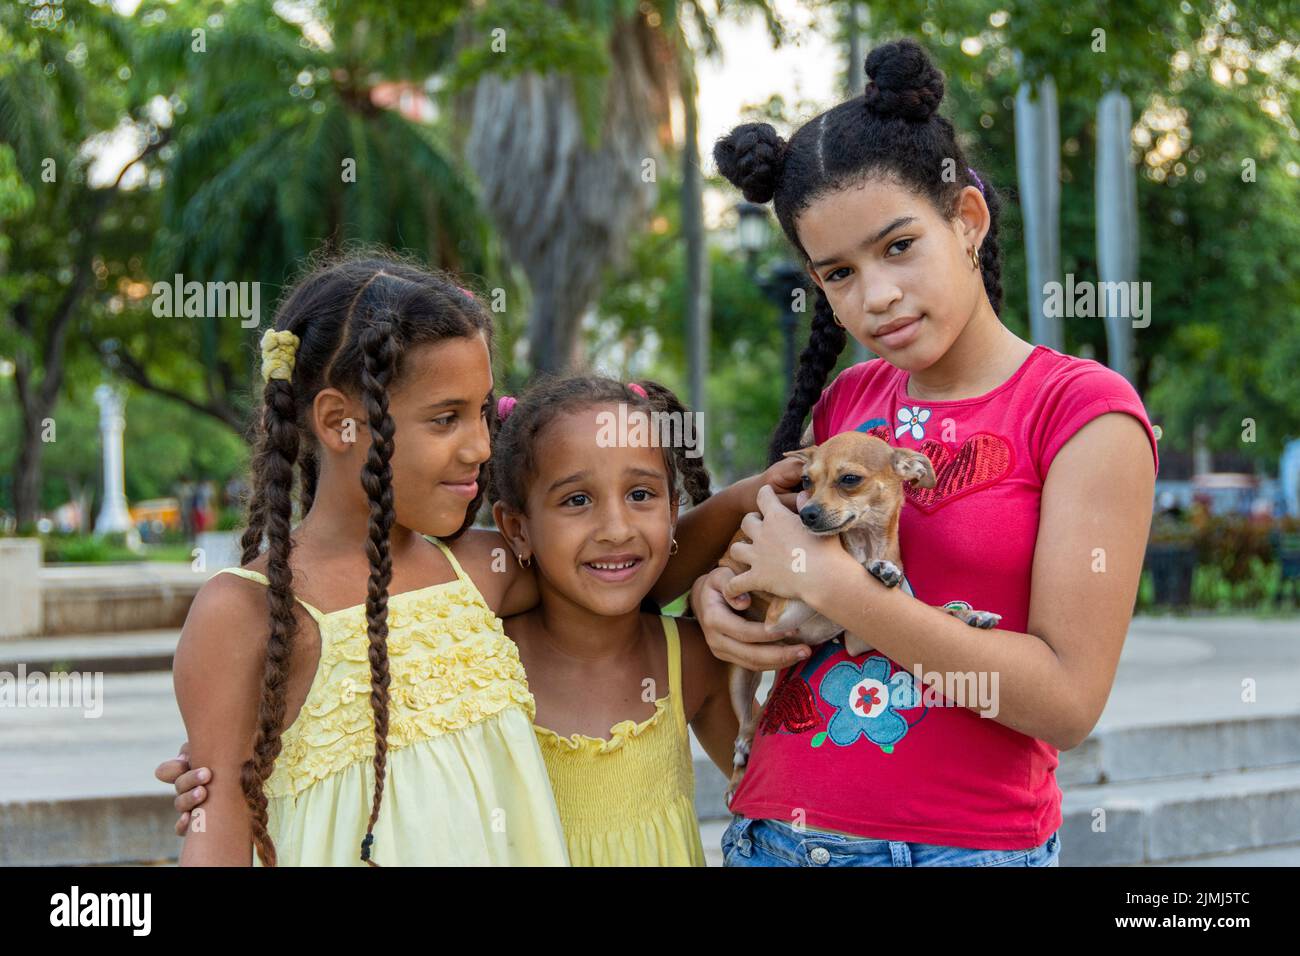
<point>803,454</point>
<point>913,466</point>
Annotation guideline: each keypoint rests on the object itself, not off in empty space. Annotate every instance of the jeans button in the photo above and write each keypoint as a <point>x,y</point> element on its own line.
<point>820,855</point>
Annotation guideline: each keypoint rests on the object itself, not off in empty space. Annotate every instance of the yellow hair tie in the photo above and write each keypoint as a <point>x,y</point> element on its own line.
<point>278,352</point>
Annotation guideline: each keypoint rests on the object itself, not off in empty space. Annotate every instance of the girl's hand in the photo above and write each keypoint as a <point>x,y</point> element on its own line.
<point>190,791</point>
<point>732,638</point>
<point>786,479</point>
<point>784,558</point>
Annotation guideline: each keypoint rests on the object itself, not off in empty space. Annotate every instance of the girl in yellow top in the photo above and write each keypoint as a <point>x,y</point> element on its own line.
<point>616,687</point>
<point>351,703</point>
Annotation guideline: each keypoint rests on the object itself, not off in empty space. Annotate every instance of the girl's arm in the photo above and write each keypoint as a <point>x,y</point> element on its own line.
<point>704,531</point>
<point>704,680</point>
<point>218,679</point>
<point>1053,682</point>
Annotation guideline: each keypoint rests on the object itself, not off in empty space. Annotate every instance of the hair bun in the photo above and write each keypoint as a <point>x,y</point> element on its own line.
<point>903,82</point>
<point>752,157</point>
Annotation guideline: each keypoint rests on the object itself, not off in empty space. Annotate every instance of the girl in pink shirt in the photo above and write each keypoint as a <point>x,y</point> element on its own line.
<point>1045,467</point>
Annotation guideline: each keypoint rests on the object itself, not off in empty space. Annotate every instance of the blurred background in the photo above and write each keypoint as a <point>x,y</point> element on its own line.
<point>557,154</point>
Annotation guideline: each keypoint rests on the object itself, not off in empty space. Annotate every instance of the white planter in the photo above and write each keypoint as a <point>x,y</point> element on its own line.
<point>219,549</point>
<point>20,581</point>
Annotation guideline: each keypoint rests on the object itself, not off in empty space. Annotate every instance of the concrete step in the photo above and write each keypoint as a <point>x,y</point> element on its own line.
<point>116,829</point>
<point>123,653</point>
<point>106,598</point>
<point>1272,856</point>
<point>1124,754</point>
<point>1154,822</point>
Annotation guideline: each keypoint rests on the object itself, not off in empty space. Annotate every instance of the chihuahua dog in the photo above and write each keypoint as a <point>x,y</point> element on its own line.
<point>853,488</point>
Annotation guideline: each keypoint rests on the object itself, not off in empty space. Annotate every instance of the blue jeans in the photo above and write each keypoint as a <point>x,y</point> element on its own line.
<point>749,842</point>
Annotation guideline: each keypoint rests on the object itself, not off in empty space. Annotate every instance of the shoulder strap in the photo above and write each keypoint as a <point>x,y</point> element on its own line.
<point>261,579</point>
<point>455,565</point>
<point>673,640</point>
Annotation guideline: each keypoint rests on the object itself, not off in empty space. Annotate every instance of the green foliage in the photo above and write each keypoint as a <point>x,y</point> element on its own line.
<point>162,443</point>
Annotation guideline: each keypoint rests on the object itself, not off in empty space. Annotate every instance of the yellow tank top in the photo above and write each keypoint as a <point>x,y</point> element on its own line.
<point>629,800</point>
<point>465,782</point>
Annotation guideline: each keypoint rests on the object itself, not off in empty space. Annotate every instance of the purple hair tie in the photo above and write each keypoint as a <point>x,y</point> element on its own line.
<point>978,185</point>
<point>638,389</point>
<point>505,405</point>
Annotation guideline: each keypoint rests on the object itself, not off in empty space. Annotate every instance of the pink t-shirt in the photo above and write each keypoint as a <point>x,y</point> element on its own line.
<point>855,744</point>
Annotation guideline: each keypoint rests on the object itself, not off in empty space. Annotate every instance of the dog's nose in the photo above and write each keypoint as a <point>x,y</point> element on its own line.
<point>811,515</point>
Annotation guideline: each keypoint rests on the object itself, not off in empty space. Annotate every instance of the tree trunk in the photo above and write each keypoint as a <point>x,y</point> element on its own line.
<point>1116,198</point>
<point>1038,164</point>
<point>564,207</point>
<point>697,255</point>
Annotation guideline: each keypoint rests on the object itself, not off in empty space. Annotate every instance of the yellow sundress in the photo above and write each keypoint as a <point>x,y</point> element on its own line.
<point>466,784</point>
<point>629,800</point>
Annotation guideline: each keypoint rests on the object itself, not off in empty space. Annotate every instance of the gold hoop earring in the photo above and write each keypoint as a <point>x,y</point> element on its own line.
<point>837,320</point>
<point>974,259</point>
<point>522,564</point>
<point>673,549</point>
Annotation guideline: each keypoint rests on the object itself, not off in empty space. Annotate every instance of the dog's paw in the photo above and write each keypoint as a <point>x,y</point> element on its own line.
<point>983,619</point>
<point>740,756</point>
<point>889,574</point>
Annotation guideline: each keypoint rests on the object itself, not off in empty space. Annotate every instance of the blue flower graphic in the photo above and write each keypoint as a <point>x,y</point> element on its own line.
<point>867,700</point>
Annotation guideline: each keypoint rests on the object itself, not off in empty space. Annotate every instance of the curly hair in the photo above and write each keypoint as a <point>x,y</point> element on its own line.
<point>892,130</point>
<point>355,318</point>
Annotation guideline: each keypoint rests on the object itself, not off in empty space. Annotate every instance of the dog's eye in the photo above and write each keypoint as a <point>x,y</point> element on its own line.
<point>850,481</point>
<point>805,482</point>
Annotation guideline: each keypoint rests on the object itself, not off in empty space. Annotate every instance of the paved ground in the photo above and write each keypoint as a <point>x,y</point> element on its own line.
<point>1172,669</point>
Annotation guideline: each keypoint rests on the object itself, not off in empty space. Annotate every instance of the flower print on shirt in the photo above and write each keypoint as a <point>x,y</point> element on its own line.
<point>912,419</point>
<point>867,700</point>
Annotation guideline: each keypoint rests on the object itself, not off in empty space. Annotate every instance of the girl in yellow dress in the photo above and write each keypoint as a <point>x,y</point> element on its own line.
<point>594,511</point>
<point>350,689</point>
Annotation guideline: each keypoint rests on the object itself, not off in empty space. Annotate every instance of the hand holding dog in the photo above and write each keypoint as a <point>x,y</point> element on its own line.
<point>774,564</point>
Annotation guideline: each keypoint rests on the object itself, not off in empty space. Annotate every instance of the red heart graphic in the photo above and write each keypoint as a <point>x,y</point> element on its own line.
<point>791,706</point>
<point>982,460</point>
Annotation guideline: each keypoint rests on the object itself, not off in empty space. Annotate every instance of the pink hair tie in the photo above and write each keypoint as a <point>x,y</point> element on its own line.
<point>505,405</point>
<point>638,389</point>
<point>465,292</point>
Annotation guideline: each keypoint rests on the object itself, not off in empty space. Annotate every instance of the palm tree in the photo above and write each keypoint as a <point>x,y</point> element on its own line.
<point>57,90</point>
<point>285,145</point>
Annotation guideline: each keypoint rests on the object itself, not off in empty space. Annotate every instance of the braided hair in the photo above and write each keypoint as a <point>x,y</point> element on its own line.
<point>892,130</point>
<point>354,317</point>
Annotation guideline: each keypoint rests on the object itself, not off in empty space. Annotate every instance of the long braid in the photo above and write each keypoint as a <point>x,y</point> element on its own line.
<point>825,343</point>
<point>378,350</point>
<point>250,543</point>
<point>280,452</point>
<point>990,248</point>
